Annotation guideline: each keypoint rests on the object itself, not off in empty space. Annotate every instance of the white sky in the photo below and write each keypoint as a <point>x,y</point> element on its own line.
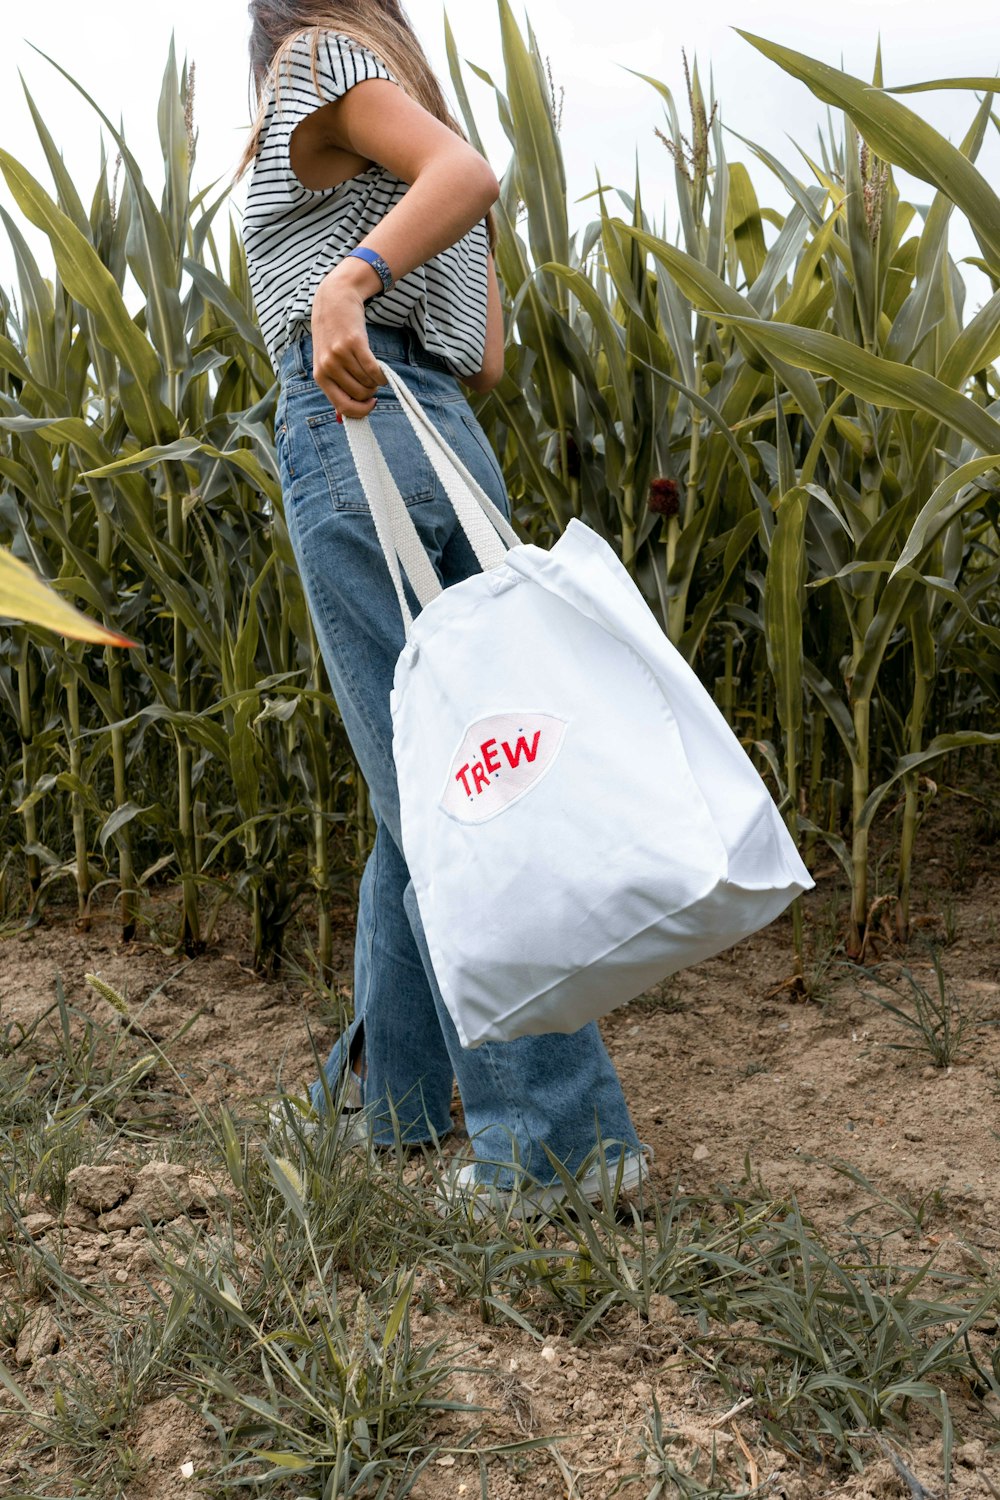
<point>117,50</point>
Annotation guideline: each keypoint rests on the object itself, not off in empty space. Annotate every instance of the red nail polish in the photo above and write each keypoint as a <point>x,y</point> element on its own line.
<point>339,417</point>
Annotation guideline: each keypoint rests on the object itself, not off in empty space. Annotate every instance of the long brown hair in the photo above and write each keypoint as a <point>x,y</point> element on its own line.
<point>380,25</point>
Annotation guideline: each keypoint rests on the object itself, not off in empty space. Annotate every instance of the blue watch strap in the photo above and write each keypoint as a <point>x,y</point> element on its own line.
<point>375,260</point>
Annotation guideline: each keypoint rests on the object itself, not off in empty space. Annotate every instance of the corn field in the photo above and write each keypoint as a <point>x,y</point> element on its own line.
<point>786,419</point>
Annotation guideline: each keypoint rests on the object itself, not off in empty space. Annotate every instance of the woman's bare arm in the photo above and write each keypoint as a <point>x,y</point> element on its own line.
<point>451,189</point>
<point>492,368</point>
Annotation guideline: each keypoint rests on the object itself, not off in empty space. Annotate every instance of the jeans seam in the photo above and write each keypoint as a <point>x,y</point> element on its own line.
<point>376,855</point>
<point>345,671</point>
<point>512,1104</point>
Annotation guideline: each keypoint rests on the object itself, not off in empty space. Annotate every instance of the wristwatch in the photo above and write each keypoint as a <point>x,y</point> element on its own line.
<point>375,260</point>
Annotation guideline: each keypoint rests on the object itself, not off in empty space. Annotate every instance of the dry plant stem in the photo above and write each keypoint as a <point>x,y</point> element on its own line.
<point>113,662</point>
<point>72,659</point>
<point>628,527</point>
<point>871,478</point>
<point>734,1411</point>
<point>751,1461</point>
<point>677,604</point>
<point>568,1476</point>
<point>189,934</point>
<point>24,686</point>
<point>911,804</point>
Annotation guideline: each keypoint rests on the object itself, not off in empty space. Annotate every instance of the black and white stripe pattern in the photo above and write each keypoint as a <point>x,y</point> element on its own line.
<point>294,235</point>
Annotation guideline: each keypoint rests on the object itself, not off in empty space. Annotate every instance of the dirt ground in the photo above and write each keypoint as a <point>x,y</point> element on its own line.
<point>722,1065</point>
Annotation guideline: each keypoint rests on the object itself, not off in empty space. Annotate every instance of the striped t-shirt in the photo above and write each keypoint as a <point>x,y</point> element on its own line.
<point>294,235</point>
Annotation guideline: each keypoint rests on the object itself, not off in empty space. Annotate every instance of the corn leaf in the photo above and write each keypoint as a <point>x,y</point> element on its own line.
<point>900,136</point>
<point>881,381</point>
<point>23,596</point>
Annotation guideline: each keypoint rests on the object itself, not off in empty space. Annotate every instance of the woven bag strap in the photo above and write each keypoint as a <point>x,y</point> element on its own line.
<point>486,527</point>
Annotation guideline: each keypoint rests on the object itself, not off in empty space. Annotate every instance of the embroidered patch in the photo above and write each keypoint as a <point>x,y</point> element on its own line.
<point>500,758</point>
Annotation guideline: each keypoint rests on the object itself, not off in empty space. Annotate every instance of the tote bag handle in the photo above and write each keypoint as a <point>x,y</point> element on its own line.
<point>485,526</point>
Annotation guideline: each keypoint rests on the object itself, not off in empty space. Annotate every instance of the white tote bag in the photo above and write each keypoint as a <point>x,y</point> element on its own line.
<point>578,818</point>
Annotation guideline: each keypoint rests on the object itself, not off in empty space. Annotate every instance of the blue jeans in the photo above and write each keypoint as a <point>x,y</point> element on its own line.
<point>555,1088</point>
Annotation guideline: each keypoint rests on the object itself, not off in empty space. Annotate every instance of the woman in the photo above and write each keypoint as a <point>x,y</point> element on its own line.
<point>369,236</point>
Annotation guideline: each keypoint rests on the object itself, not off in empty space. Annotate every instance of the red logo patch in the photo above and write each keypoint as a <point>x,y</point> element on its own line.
<point>500,758</point>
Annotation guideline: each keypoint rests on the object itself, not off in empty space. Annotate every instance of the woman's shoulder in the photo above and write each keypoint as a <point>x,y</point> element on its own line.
<point>316,65</point>
<point>328,44</point>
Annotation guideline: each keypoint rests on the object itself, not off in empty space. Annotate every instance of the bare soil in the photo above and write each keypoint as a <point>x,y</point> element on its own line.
<point>727,1068</point>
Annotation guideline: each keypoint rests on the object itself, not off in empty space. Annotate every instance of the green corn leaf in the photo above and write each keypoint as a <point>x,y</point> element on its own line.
<point>218,295</point>
<point>152,258</point>
<point>976,348</point>
<point>713,297</point>
<point>979,84</point>
<point>835,706</point>
<point>69,198</point>
<point>11,359</point>
<point>538,162</point>
<point>156,269</point>
<point>461,93</point>
<point>92,284</point>
<point>881,381</point>
<point>399,1310</point>
<point>23,596</point>
<point>943,507</point>
<point>899,136</point>
<point>923,307</point>
<point>121,815</point>
<point>172,129</point>
<point>291,1463</point>
<point>940,746</point>
<point>790,248</point>
<point>865,287</point>
<point>745,223</point>
<point>795,189</point>
<point>38,309</point>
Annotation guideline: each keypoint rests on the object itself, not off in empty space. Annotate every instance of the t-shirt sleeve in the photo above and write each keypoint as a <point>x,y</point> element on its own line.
<point>341,62</point>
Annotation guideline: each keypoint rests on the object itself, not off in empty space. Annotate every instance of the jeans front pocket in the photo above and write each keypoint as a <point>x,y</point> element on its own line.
<point>403,452</point>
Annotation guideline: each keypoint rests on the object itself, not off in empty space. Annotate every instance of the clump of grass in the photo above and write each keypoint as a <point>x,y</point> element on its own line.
<point>666,998</point>
<point>62,1087</point>
<point>933,1018</point>
<point>701,1478</point>
<point>754,1066</point>
<point>911,1210</point>
<point>843,1346</point>
<point>346,1394</point>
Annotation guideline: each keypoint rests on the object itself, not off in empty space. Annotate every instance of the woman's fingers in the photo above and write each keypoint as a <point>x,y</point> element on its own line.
<point>343,363</point>
<point>357,371</point>
<point>346,405</point>
<point>350,378</point>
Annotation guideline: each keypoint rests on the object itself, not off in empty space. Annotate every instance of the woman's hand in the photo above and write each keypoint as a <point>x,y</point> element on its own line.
<point>343,364</point>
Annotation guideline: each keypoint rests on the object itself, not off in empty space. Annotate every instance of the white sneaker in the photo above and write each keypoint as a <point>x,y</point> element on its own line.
<point>310,1121</point>
<point>484,1199</point>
